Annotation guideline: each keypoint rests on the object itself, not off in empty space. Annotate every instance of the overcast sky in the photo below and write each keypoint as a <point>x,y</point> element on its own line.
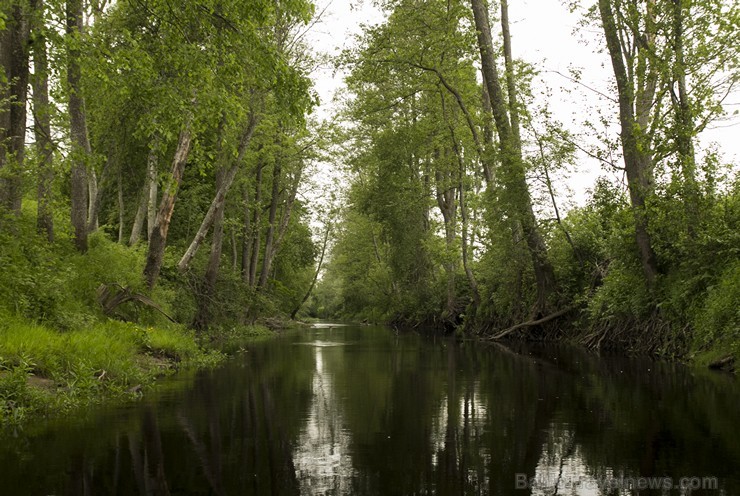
<point>544,34</point>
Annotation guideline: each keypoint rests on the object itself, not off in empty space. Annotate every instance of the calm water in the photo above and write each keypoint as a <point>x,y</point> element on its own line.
<point>360,410</point>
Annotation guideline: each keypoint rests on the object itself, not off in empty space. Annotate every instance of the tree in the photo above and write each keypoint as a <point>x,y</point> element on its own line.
<point>81,151</point>
<point>14,71</point>
<point>42,121</point>
<point>512,173</point>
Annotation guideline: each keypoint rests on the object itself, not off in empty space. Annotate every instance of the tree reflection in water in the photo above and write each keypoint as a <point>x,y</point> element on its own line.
<point>365,411</point>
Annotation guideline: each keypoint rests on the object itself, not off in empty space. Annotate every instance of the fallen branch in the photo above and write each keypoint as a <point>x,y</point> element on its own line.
<point>531,323</point>
<point>110,296</point>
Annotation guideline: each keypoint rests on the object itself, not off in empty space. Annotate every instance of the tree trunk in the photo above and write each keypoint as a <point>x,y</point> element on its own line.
<point>207,292</point>
<point>246,235</point>
<point>510,76</point>
<point>684,123</point>
<point>270,237</point>
<point>80,151</point>
<point>637,158</point>
<point>512,170</point>
<point>121,209</point>
<point>224,179</point>
<point>14,43</point>
<point>152,190</point>
<point>158,240</point>
<point>256,228</point>
<point>98,188</point>
<point>93,190</point>
<point>42,125</point>
<point>316,274</point>
<point>139,217</point>
<point>445,195</point>
<point>145,199</point>
<point>274,246</point>
<point>287,211</point>
<point>234,251</point>
<point>472,282</point>
<point>218,201</point>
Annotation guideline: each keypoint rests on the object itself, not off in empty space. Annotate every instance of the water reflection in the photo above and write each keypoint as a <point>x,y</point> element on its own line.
<point>323,464</point>
<point>364,411</point>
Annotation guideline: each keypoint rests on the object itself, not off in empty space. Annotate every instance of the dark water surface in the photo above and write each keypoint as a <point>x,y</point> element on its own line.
<point>360,410</point>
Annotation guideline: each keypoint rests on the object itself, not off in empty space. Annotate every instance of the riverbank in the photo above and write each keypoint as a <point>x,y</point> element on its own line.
<point>44,372</point>
<point>61,348</point>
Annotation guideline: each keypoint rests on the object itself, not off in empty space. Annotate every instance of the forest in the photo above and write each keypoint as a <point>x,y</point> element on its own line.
<point>156,189</point>
<point>455,216</point>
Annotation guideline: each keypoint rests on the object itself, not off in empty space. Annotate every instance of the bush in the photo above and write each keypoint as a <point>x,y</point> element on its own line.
<point>718,320</point>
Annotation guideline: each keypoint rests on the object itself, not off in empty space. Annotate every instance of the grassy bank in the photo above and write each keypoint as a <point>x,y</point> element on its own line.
<point>47,372</point>
<point>60,352</point>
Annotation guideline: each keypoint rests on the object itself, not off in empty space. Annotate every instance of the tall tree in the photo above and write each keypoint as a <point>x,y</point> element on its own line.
<point>42,122</point>
<point>635,102</point>
<point>512,171</point>
<point>81,151</point>
<point>14,72</point>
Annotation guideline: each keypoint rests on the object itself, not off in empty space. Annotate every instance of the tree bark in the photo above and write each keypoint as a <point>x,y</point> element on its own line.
<point>224,179</point>
<point>152,190</point>
<point>637,158</point>
<point>139,217</point>
<point>445,195</point>
<point>42,124</point>
<point>93,190</point>
<point>203,316</point>
<point>145,198</point>
<point>472,282</point>
<point>98,189</point>
<point>512,170</point>
<point>80,151</point>
<point>256,228</point>
<point>287,210</point>
<point>14,44</point>
<point>220,198</point>
<point>246,235</point>
<point>510,76</point>
<point>279,233</point>
<point>316,274</point>
<point>158,241</point>
<point>121,209</point>
<point>684,122</point>
<point>270,237</point>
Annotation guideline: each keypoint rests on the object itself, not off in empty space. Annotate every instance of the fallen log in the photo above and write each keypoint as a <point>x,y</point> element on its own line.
<point>531,323</point>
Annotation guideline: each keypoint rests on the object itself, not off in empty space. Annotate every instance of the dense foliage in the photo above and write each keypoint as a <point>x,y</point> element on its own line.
<point>439,227</point>
<point>158,185</point>
<point>182,135</point>
<point>162,179</point>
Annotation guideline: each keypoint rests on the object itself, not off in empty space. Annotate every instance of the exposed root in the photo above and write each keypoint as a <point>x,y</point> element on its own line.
<point>654,335</point>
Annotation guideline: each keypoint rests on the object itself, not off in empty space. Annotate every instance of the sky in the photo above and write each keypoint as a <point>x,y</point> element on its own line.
<point>544,33</point>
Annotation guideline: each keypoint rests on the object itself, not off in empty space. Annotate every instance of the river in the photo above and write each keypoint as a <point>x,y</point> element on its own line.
<point>341,410</point>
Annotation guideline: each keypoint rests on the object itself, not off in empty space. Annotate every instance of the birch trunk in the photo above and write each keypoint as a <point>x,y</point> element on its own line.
<point>158,240</point>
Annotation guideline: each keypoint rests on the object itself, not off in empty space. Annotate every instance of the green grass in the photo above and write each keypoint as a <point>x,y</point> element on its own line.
<point>44,370</point>
<point>234,338</point>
